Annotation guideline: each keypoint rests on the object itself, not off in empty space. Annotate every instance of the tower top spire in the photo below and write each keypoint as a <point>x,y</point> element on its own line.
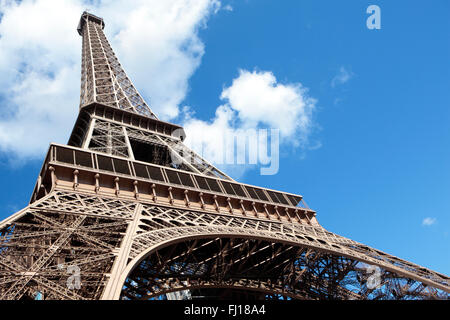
<point>85,16</point>
<point>103,79</point>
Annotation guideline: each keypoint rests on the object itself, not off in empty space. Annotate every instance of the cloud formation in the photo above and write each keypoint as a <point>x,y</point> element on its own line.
<point>254,100</point>
<point>156,41</point>
<point>428,221</point>
<point>341,77</point>
<point>228,8</point>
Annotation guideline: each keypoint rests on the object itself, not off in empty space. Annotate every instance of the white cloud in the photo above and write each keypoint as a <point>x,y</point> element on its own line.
<point>40,57</point>
<point>228,8</point>
<point>259,99</point>
<point>428,221</point>
<point>341,77</point>
<point>207,138</point>
<point>254,100</point>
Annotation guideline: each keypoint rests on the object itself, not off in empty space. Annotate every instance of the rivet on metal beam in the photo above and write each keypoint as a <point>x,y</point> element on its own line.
<point>287,214</point>
<point>216,203</point>
<point>153,186</point>
<point>276,211</point>
<point>230,207</point>
<point>116,181</point>
<point>97,182</point>
<point>307,216</point>
<point>201,200</point>
<point>170,195</point>
<point>267,211</point>
<point>75,179</point>
<point>254,208</point>
<point>298,217</point>
<point>186,198</point>
<point>53,176</point>
<point>241,203</point>
<point>136,190</point>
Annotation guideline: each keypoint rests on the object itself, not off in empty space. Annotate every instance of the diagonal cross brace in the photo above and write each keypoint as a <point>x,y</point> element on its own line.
<point>16,290</point>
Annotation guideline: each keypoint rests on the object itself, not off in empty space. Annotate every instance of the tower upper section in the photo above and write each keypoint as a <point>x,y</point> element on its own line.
<point>115,120</point>
<point>103,79</point>
<point>93,18</point>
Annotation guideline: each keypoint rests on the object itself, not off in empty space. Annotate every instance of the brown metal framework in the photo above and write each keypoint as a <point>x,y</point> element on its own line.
<point>128,211</point>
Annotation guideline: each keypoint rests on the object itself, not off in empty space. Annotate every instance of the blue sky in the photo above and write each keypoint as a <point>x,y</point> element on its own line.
<point>377,159</point>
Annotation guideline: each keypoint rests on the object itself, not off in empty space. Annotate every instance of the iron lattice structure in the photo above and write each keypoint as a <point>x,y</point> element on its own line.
<point>140,216</point>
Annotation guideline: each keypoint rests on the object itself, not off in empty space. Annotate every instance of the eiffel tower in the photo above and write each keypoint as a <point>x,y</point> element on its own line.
<point>126,211</point>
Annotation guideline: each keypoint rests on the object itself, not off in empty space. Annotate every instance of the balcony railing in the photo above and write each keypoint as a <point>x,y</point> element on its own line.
<point>82,158</point>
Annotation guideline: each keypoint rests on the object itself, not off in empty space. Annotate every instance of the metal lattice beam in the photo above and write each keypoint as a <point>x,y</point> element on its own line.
<point>103,79</point>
